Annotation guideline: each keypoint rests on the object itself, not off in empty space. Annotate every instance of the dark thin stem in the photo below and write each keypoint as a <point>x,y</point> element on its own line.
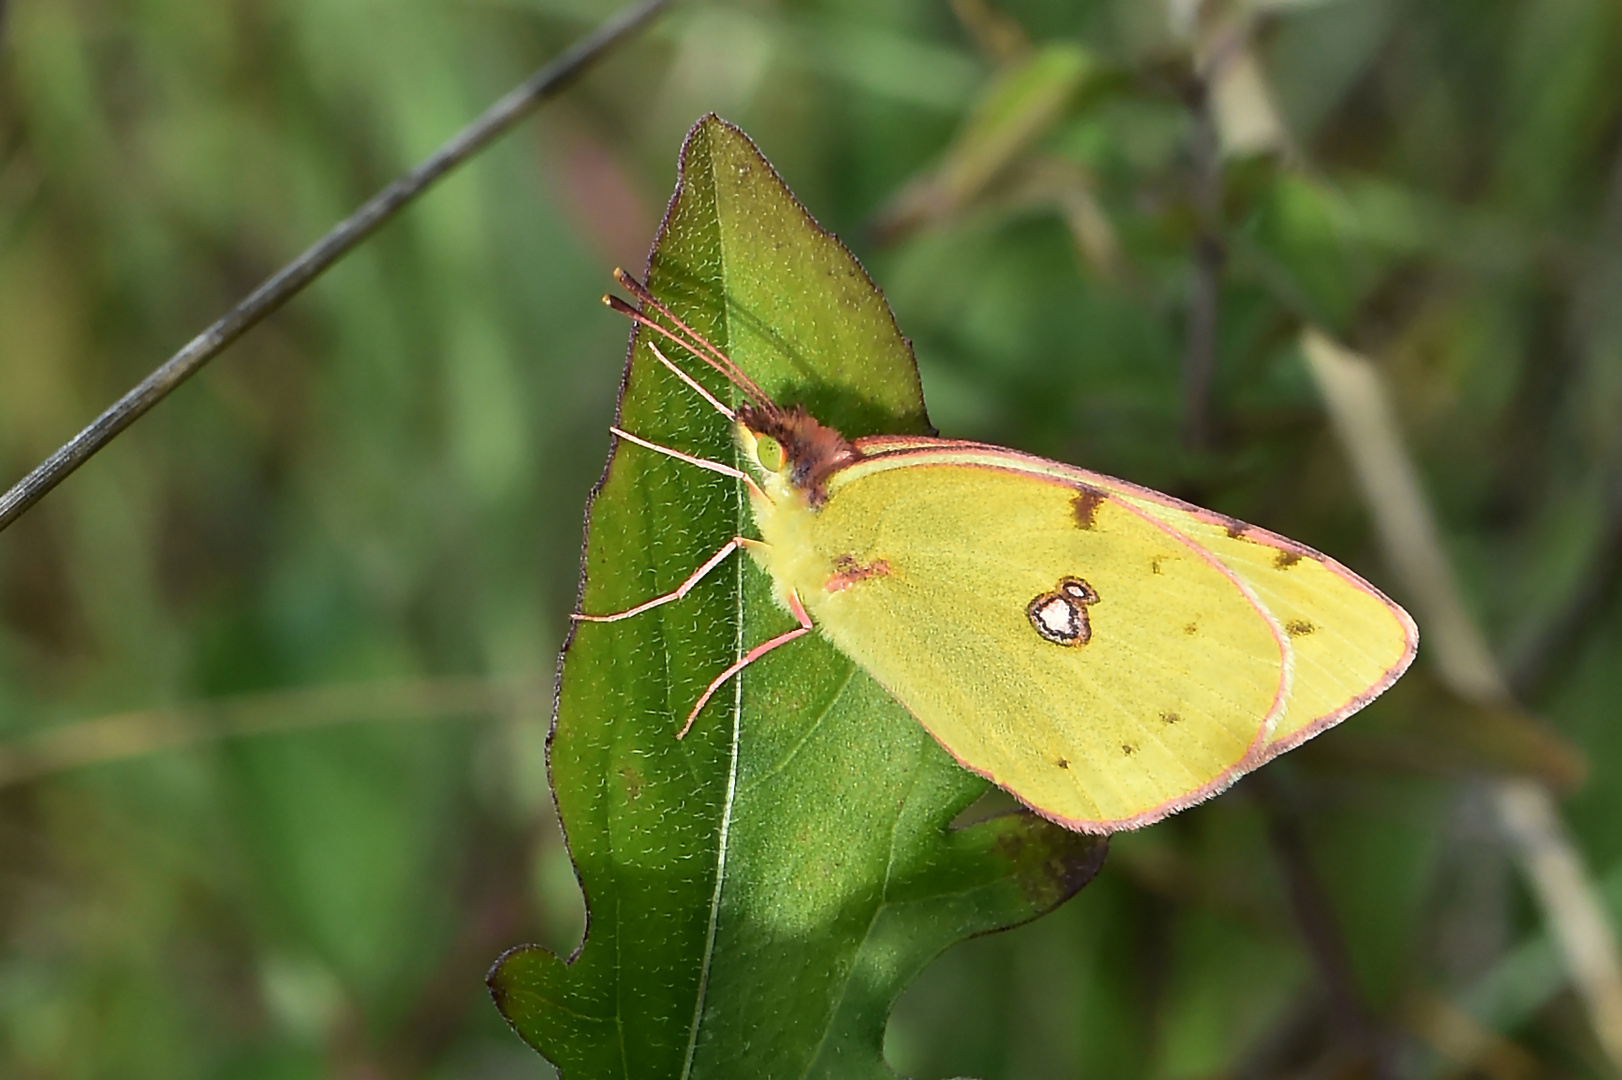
<point>1310,903</point>
<point>1555,641</point>
<point>1199,356</point>
<point>344,237</point>
<point>1320,930</point>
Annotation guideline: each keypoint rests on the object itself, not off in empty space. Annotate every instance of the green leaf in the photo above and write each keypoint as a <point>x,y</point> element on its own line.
<point>760,892</point>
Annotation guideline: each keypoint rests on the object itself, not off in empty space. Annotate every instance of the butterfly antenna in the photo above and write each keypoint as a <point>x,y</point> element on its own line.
<point>730,371</point>
<point>706,351</point>
<point>710,354</point>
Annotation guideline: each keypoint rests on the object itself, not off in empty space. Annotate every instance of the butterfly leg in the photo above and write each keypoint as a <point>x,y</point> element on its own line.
<point>750,657</point>
<point>679,591</point>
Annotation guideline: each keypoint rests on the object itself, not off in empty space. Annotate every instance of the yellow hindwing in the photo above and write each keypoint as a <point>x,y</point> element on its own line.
<point>1350,641</point>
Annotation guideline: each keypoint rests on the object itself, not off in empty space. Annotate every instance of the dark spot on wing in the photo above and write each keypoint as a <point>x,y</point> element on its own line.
<point>1085,507</point>
<point>848,572</point>
<point>1286,559</point>
<point>1170,718</point>
<point>1078,590</point>
<point>1060,616</point>
<point>1063,763</point>
<point>1236,529</point>
<point>1154,564</point>
<point>1299,628</point>
<point>1191,629</point>
<point>1128,749</point>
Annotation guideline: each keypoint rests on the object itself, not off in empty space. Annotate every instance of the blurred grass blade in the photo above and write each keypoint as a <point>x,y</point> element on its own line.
<point>1576,916</point>
<point>1525,979</point>
<point>1430,730</point>
<point>1468,1045</point>
<point>1241,101</point>
<point>1368,433</point>
<point>997,35</point>
<point>1070,188</point>
<point>1021,105</point>
<point>339,241</point>
<point>1247,120</point>
<point>145,731</point>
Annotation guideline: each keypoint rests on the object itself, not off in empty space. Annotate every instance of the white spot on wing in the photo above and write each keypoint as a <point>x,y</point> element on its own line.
<point>1061,616</point>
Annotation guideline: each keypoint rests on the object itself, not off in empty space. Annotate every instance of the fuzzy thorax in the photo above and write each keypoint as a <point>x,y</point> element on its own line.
<point>792,456</point>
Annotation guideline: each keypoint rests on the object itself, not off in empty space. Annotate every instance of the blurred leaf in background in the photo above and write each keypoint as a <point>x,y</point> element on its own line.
<point>381,489</point>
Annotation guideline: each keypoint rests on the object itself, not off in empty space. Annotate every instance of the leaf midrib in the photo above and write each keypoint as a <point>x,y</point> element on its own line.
<point>737,681</point>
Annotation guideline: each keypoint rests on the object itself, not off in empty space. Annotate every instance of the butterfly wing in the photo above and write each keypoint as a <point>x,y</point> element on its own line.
<point>1350,640</point>
<point>1070,646</point>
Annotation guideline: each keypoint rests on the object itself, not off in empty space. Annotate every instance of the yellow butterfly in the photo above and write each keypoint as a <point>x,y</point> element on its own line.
<point>1107,654</point>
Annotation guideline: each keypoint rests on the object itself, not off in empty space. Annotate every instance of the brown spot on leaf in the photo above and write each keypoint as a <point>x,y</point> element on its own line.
<point>1050,864</point>
<point>1085,507</point>
<point>1298,628</point>
<point>1286,559</point>
<point>633,784</point>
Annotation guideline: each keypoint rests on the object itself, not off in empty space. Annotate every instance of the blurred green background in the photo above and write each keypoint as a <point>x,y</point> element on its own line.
<point>319,591</point>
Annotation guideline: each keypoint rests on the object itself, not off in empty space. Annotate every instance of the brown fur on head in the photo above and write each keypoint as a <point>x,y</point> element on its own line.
<point>813,450</point>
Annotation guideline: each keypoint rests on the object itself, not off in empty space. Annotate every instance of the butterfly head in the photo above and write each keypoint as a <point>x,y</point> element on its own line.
<point>792,451</point>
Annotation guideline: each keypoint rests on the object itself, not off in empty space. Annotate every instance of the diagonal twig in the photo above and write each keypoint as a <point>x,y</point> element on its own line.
<point>343,238</point>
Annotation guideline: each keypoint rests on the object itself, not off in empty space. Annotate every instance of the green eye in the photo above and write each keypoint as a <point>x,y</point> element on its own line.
<point>769,452</point>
